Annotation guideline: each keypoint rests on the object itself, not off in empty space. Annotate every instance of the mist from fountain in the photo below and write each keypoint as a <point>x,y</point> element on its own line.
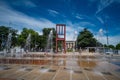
<point>28,41</point>
<point>75,39</point>
<point>49,49</point>
<point>50,42</point>
<point>17,52</point>
<point>6,52</point>
<point>8,44</point>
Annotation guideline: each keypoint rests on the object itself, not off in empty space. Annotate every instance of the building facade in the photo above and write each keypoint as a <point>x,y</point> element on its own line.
<point>70,45</point>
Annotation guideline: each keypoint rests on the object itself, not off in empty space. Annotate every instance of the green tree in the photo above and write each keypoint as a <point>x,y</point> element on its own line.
<point>3,36</point>
<point>85,39</point>
<point>41,41</point>
<point>4,31</point>
<point>118,46</point>
<point>111,46</point>
<point>14,37</point>
<point>105,45</point>
<point>98,44</point>
<point>46,32</point>
<point>23,36</point>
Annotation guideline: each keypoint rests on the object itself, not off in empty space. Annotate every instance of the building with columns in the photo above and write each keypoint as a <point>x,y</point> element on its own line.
<point>70,45</point>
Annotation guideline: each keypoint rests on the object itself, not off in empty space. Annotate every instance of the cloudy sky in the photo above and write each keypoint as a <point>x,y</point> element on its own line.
<point>101,17</point>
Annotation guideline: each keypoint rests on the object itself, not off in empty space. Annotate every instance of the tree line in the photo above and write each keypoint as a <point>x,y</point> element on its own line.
<point>38,42</point>
<point>86,39</point>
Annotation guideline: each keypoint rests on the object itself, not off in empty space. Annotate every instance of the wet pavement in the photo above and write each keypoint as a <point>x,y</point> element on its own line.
<point>69,67</point>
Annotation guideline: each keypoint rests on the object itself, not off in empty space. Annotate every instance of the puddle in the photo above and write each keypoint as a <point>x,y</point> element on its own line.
<point>116,63</point>
<point>67,68</point>
<point>44,69</point>
<point>4,67</point>
<point>118,70</point>
<point>7,68</point>
<point>71,71</point>
<point>98,73</point>
<point>52,70</point>
<point>78,72</point>
<point>25,68</point>
<point>86,63</point>
<point>1,67</point>
<point>106,73</point>
<point>88,69</point>
<point>28,69</point>
<point>22,69</point>
<point>20,79</point>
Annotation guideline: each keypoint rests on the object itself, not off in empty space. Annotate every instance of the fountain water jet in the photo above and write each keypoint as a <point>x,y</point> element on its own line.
<point>7,52</point>
<point>8,47</point>
<point>27,45</point>
<point>50,42</point>
<point>8,44</point>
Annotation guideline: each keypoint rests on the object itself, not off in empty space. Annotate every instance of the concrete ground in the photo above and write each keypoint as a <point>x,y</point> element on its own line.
<point>73,67</point>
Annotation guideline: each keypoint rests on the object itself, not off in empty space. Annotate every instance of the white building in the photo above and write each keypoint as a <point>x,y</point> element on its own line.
<point>70,45</point>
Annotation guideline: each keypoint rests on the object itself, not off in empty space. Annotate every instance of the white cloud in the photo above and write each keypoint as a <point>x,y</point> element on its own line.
<point>19,32</point>
<point>40,32</point>
<point>101,37</point>
<point>103,4</point>
<point>53,12</point>
<point>114,39</point>
<point>9,15</point>
<point>78,17</point>
<point>70,33</point>
<point>20,19</point>
<point>101,32</point>
<point>71,29</point>
<point>111,39</point>
<point>86,24</point>
<point>100,19</point>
